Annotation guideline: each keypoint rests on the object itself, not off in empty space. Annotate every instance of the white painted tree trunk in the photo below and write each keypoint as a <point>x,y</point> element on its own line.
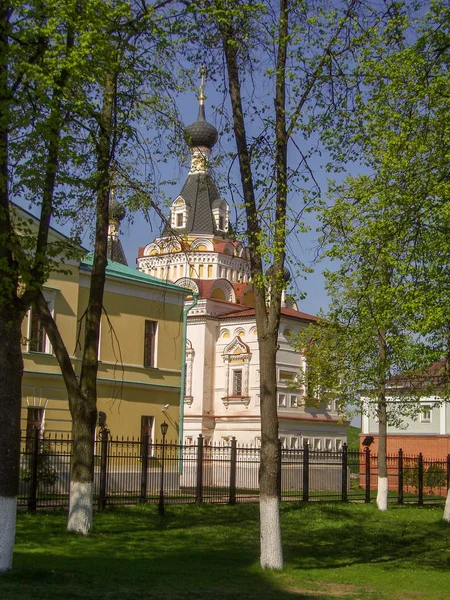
<point>8,509</point>
<point>382,493</point>
<point>271,549</point>
<point>447,507</point>
<point>80,509</point>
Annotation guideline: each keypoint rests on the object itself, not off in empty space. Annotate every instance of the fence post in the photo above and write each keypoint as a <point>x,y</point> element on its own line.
<point>305,471</point>
<point>32,500</point>
<point>233,466</point>
<point>199,487</point>
<point>400,477</point>
<point>420,477</point>
<point>103,468</point>
<point>367,453</point>
<point>344,472</point>
<point>144,466</point>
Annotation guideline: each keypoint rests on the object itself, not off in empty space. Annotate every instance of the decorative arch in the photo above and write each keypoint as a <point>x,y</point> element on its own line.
<point>169,245</point>
<point>253,332</point>
<point>151,249</point>
<point>236,357</point>
<point>228,249</point>
<point>220,211</point>
<point>179,213</point>
<point>187,283</point>
<point>239,332</point>
<point>223,290</point>
<point>225,333</point>
<point>202,244</point>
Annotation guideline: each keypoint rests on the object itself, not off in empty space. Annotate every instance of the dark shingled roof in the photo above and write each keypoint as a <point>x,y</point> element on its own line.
<point>199,192</point>
<point>115,251</point>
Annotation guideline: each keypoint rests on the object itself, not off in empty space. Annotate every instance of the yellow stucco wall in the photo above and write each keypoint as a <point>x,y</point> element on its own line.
<point>126,390</point>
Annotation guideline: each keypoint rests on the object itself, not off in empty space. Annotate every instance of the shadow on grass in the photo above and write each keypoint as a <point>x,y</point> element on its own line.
<point>338,536</point>
<point>193,553</point>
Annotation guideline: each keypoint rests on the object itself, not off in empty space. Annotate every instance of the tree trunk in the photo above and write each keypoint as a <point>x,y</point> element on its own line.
<point>10,404</point>
<point>84,420</point>
<point>267,317</point>
<point>382,489</point>
<point>270,531</point>
<point>84,408</point>
<point>447,507</point>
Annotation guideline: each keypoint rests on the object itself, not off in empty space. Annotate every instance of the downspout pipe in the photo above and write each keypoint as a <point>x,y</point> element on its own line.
<point>183,372</point>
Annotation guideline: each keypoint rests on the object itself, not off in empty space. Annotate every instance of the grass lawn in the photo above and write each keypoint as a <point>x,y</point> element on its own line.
<point>211,552</point>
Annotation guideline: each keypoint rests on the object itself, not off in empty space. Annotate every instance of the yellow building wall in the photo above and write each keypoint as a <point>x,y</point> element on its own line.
<point>126,390</point>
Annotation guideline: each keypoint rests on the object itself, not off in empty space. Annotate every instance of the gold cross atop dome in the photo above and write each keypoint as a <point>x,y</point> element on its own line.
<point>202,84</point>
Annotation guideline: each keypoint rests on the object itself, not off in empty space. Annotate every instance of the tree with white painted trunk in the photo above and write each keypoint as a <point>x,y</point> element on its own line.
<point>34,81</point>
<point>395,219</point>
<point>125,80</point>
<point>365,353</point>
<point>279,77</point>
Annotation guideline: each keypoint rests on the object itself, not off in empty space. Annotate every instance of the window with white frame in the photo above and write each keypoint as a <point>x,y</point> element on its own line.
<point>425,414</point>
<point>285,377</point>
<point>293,401</point>
<point>328,444</point>
<point>339,444</point>
<point>317,444</point>
<point>37,338</point>
<point>257,442</point>
<point>283,441</point>
<point>282,400</point>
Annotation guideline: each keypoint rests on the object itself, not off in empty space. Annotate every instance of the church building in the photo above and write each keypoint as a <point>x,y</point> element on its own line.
<point>198,250</point>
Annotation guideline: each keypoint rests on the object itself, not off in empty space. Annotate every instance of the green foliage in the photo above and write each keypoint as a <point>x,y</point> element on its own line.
<point>435,477</point>
<point>386,231</point>
<point>46,472</point>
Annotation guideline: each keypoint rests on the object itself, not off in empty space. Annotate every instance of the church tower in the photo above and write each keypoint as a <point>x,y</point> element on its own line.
<point>197,248</point>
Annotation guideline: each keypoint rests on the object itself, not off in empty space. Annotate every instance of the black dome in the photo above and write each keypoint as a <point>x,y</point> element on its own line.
<point>116,210</point>
<point>286,273</point>
<point>201,133</point>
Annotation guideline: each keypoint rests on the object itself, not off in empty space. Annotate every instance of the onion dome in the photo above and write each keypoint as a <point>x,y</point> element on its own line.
<point>286,274</point>
<point>201,134</point>
<point>116,210</point>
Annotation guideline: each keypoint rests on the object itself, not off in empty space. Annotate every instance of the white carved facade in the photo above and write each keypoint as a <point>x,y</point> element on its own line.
<point>197,251</point>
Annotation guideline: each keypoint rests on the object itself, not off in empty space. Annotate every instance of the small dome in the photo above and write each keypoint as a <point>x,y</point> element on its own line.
<point>116,210</point>
<point>286,274</point>
<point>201,133</point>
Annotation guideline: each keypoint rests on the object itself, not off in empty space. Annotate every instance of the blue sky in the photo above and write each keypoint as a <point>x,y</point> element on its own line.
<point>301,247</point>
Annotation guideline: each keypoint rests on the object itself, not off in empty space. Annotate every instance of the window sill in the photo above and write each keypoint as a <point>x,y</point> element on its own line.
<point>235,400</point>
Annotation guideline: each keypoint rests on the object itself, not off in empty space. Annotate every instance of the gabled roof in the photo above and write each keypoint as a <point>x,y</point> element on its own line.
<point>115,251</point>
<point>120,271</point>
<point>199,193</point>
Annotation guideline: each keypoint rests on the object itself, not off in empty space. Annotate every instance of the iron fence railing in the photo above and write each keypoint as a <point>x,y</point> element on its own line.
<point>139,471</point>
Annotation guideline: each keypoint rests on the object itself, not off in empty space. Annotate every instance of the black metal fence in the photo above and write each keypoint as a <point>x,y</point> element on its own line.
<point>139,471</point>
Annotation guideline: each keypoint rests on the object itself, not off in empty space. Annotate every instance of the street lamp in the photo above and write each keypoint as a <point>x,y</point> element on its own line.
<point>164,428</point>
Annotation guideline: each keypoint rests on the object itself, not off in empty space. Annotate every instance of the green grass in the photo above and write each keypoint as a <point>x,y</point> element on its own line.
<point>211,552</point>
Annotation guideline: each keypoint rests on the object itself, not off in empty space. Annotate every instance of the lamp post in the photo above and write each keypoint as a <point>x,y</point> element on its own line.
<point>164,428</point>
